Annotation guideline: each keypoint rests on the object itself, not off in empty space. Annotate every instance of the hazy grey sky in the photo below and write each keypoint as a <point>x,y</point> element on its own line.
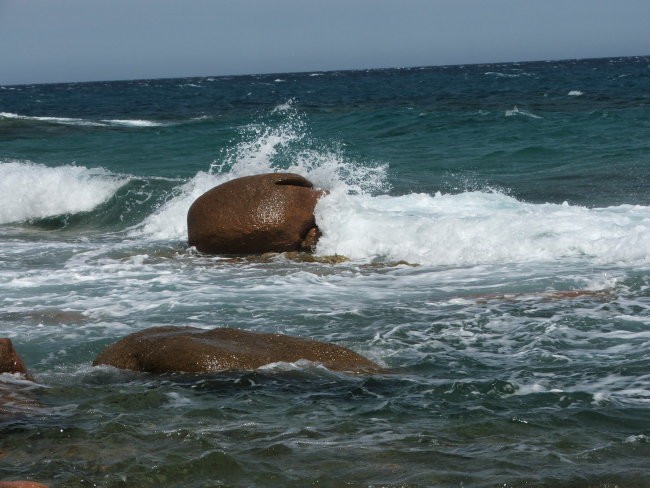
<point>81,40</point>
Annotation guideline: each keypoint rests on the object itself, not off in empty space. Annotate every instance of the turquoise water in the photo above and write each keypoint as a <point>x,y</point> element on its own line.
<point>466,199</point>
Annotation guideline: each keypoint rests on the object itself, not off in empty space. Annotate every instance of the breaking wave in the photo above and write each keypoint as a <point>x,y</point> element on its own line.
<point>361,221</point>
<point>478,228</point>
<point>31,191</point>
<point>358,217</point>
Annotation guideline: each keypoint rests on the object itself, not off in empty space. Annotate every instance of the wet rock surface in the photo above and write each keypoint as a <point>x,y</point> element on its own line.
<point>193,350</point>
<point>255,214</point>
<point>10,361</point>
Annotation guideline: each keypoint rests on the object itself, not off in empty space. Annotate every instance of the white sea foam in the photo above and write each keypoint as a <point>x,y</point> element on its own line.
<point>284,107</point>
<point>54,120</point>
<point>478,228</point>
<point>134,123</point>
<point>170,220</point>
<point>575,93</point>
<point>501,75</point>
<point>300,365</point>
<point>640,438</point>
<point>498,74</point>
<point>29,190</point>
<point>518,112</point>
<point>84,122</point>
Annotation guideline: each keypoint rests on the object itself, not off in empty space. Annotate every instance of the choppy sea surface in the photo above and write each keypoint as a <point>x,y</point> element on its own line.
<point>496,225</point>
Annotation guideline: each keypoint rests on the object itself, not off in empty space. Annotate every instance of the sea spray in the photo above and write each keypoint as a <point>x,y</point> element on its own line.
<point>270,146</point>
<point>281,141</point>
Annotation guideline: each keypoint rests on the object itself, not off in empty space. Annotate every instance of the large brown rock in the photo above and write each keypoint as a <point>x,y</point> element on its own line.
<point>10,361</point>
<point>193,350</point>
<point>255,214</point>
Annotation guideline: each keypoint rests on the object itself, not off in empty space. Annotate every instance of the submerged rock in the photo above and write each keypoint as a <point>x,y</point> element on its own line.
<point>21,484</point>
<point>10,361</point>
<point>18,398</point>
<point>15,393</point>
<point>46,316</point>
<point>254,215</point>
<point>546,296</point>
<point>193,350</point>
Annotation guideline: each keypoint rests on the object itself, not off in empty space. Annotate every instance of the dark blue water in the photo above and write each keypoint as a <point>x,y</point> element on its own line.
<point>495,225</point>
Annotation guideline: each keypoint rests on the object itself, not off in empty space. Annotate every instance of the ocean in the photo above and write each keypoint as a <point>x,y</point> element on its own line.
<point>486,239</point>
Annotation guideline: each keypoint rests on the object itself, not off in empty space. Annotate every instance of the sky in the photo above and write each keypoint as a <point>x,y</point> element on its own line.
<point>45,41</point>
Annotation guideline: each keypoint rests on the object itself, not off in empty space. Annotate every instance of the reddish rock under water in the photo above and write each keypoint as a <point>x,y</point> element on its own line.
<point>14,397</point>
<point>21,484</point>
<point>255,214</point>
<point>193,350</point>
<point>10,361</point>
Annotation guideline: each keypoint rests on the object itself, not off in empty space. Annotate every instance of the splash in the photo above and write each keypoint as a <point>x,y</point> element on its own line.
<point>282,142</point>
<point>278,142</point>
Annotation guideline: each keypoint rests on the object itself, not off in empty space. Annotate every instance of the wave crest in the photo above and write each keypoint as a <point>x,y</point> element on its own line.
<point>30,191</point>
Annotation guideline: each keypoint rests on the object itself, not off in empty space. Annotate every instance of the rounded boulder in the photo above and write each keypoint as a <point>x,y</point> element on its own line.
<point>255,214</point>
<point>193,350</point>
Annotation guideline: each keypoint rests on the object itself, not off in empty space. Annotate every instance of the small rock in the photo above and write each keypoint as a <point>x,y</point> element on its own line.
<point>10,362</point>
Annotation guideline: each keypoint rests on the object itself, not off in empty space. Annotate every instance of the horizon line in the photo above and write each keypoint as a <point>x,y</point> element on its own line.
<point>345,70</point>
